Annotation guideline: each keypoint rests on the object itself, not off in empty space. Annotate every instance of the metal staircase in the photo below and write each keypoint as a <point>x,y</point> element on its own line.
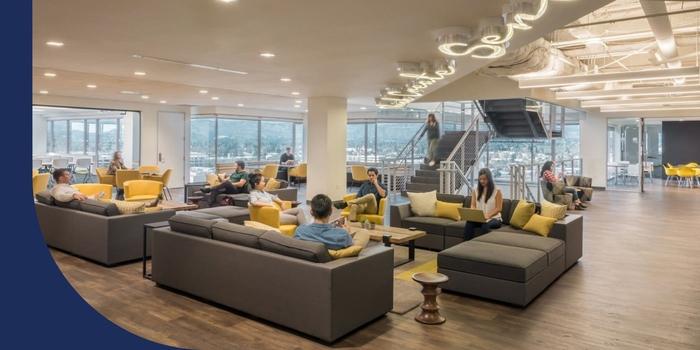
<point>515,118</point>
<point>427,178</point>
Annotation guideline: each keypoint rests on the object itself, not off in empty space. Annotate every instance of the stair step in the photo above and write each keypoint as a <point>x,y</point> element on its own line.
<point>419,187</point>
<point>425,179</point>
<point>425,173</point>
<point>427,167</point>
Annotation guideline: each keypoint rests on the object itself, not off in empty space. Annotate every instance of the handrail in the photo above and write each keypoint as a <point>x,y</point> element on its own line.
<point>462,140</point>
<point>412,142</point>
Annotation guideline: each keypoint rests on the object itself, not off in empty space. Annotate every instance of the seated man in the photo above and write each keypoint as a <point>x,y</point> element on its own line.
<point>62,191</point>
<point>332,235</point>
<point>287,158</point>
<point>370,193</point>
<point>236,183</point>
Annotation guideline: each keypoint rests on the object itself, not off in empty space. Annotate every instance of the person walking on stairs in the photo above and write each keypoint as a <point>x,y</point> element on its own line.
<point>433,129</point>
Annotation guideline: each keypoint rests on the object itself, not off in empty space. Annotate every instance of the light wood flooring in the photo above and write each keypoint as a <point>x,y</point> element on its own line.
<point>636,287</point>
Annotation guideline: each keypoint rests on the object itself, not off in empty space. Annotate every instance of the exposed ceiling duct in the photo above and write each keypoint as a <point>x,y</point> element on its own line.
<point>663,32</point>
<point>538,58</point>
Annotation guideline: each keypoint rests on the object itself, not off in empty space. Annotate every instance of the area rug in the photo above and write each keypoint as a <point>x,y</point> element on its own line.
<point>430,266</point>
<point>406,296</point>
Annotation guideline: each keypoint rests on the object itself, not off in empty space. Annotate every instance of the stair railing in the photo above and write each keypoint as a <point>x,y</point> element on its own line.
<point>519,187</point>
<point>396,172</point>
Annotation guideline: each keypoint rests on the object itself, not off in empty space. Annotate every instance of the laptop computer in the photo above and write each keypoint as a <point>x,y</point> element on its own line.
<point>473,215</point>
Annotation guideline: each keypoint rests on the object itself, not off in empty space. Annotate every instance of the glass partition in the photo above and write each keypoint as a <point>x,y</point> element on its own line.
<point>623,168</point>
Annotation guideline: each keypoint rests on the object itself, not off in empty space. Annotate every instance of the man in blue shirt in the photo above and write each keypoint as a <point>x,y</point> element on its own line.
<point>370,193</point>
<point>331,235</point>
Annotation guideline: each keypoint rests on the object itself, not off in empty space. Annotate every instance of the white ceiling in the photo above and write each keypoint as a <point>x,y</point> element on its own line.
<point>327,47</point>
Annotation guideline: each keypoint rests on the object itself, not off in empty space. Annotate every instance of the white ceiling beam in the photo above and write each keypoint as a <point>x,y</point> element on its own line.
<point>649,108</point>
<point>654,91</point>
<point>654,74</point>
<point>656,101</point>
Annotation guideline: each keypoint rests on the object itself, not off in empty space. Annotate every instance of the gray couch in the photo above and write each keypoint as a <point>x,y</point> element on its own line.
<point>507,264</point>
<point>94,230</point>
<point>241,200</point>
<point>277,278</point>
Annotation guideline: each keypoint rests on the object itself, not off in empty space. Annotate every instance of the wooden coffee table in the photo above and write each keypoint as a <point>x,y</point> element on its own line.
<point>394,235</point>
<point>177,206</point>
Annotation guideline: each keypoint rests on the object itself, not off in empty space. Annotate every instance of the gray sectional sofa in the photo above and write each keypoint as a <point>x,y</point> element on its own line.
<point>241,200</point>
<point>274,277</point>
<point>507,264</point>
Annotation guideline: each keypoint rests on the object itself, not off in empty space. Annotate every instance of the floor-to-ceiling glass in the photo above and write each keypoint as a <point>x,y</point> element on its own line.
<point>623,161</point>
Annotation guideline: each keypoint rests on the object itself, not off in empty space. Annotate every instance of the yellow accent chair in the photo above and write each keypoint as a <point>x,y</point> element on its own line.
<point>692,165</point>
<point>163,178</point>
<point>142,190</point>
<point>671,173</point>
<point>95,189</point>
<point>40,182</point>
<point>149,169</point>
<point>124,175</point>
<point>298,172</point>
<point>377,218</point>
<point>359,174</point>
<point>269,171</point>
<point>103,177</point>
<point>270,216</point>
<point>687,176</point>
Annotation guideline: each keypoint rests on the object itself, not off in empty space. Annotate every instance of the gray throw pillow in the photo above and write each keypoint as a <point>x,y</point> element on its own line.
<point>74,204</point>
<point>99,207</point>
<point>288,246</point>
<point>45,197</point>
<point>237,234</point>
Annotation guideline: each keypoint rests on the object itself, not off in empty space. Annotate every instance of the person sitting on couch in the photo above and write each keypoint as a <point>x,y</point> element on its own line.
<point>334,236</point>
<point>236,183</point>
<point>62,191</point>
<point>489,199</point>
<point>370,193</point>
<point>548,175</point>
<point>261,198</point>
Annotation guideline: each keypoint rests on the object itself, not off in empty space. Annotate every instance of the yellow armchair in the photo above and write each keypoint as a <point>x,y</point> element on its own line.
<point>359,173</point>
<point>103,177</point>
<point>377,218</point>
<point>269,171</point>
<point>94,189</point>
<point>142,190</point>
<point>298,172</point>
<point>149,169</point>
<point>270,216</point>
<point>40,182</point>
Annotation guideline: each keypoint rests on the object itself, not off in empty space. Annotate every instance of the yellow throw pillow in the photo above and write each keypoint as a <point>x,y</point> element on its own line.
<point>353,250</point>
<point>552,210</point>
<point>448,210</point>
<point>522,214</point>
<point>129,207</point>
<point>423,203</point>
<point>260,226</point>
<point>540,225</point>
<point>272,184</point>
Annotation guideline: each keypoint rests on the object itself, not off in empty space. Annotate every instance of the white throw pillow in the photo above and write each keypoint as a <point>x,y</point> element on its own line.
<point>423,203</point>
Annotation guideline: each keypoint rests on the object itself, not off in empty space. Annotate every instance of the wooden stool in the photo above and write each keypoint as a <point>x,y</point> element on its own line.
<point>430,310</point>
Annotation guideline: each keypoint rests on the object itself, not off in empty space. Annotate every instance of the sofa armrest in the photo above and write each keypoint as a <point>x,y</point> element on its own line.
<point>570,230</point>
<point>398,213</point>
<point>286,194</point>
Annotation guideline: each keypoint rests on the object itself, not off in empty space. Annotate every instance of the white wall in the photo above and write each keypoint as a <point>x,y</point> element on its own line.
<point>39,125</point>
<point>149,117</point>
<point>594,135</point>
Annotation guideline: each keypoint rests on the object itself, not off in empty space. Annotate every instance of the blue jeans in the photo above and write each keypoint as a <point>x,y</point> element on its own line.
<point>475,229</point>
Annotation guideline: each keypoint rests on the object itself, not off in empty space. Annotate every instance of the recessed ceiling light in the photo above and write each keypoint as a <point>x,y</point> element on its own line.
<point>49,74</point>
<point>91,86</point>
<point>145,97</point>
<point>228,1</point>
<point>139,73</point>
<point>267,54</point>
<point>215,98</point>
<point>240,105</point>
<point>295,93</point>
<point>297,106</point>
<point>54,43</point>
<point>43,92</point>
<point>298,101</point>
<point>203,92</point>
<point>286,80</point>
<point>163,101</point>
<point>128,92</point>
<point>363,108</point>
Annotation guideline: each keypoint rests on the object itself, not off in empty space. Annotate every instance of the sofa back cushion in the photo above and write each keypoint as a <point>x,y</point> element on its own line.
<point>237,234</point>
<point>45,197</point>
<point>507,211</point>
<point>192,225</point>
<point>295,248</point>
<point>450,198</point>
<point>99,207</point>
<point>74,204</point>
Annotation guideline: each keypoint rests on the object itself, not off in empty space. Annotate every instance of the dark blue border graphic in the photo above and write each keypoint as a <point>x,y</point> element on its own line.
<point>39,307</point>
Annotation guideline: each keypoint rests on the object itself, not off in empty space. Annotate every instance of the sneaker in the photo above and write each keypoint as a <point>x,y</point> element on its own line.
<point>205,189</point>
<point>341,205</point>
<point>432,163</point>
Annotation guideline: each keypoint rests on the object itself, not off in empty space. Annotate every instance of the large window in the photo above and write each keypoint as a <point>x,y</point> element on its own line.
<point>393,137</point>
<point>77,136</point>
<point>108,136</point>
<point>202,147</point>
<point>59,136</point>
<point>275,137</point>
<point>236,140</point>
<point>356,142</point>
<point>299,141</point>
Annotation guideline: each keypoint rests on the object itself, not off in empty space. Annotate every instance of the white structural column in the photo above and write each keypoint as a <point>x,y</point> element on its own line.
<point>326,136</point>
<point>594,140</point>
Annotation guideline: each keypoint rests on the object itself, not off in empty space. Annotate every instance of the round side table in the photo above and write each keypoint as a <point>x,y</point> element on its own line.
<point>430,310</point>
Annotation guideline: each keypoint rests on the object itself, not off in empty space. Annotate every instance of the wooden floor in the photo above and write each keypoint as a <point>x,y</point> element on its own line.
<point>637,287</point>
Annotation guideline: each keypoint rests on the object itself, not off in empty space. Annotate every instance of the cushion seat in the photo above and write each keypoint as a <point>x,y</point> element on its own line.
<point>553,247</point>
<point>428,223</point>
<point>494,260</point>
<point>508,228</point>
<point>142,197</point>
<point>455,229</point>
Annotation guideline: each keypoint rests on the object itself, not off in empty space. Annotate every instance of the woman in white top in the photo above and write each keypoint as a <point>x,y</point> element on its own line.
<point>489,199</point>
<point>261,198</point>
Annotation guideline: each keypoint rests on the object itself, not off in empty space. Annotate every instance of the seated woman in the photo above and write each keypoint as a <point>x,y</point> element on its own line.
<point>261,198</point>
<point>489,199</point>
<point>548,175</point>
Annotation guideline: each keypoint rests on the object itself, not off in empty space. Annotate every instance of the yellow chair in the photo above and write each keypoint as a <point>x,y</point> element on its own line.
<point>359,174</point>
<point>40,182</point>
<point>35,172</point>
<point>692,165</point>
<point>95,189</point>
<point>270,171</point>
<point>103,177</point>
<point>670,172</point>
<point>123,176</point>
<point>377,218</point>
<point>142,190</point>
<point>163,178</point>
<point>687,176</point>
<point>149,169</point>
<point>271,216</point>
<point>298,172</point>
